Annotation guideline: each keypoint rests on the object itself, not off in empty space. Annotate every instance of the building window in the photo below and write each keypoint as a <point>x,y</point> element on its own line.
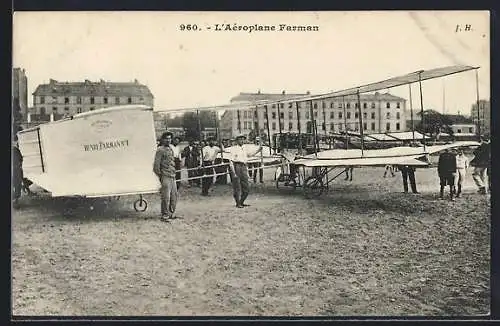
<point>398,105</point>
<point>356,105</point>
<point>273,106</point>
<point>365,105</point>
<point>78,110</point>
<point>373,125</point>
<point>290,115</point>
<point>340,127</point>
<point>398,115</point>
<point>315,114</point>
<point>256,125</point>
<point>323,126</point>
<point>365,115</point>
<point>290,126</point>
<point>282,125</point>
<point>66,100</point>
<point>331,105</point>
<point>471,130</point>
<point>290,105</point>
<point>373,105</point>
<point>54,109</point>
<point>332,115</point>
<point>117,100</point>
<point>92,100</point>
<point>323,105</point>
<point>332,126</point>
<point>356,115</point>
<point>266,125</point>
<point>373,115</point>
<point>388,105</point>
<point>299,105</point>
<point>315,105</point>
<point>78,100</point>
<point>273,115</point>
<point>340,106</point>
<point>340,115</point>
<point>459,131</point>
<point>356,127</point>
<point>42,111</point>
<point>282,115</point>
<point>141,99</point>
<point>307,114</point>
<point>42,99</point>
<point>348,105</point>
<point>388,115</point>
<point>66,109</point>
<point>105,100</point>
<point>255,114</point>
<point>388,126</point>
<point>282,105</point>
<point>129,100</point>
<point>245,114</point>
<point>397,126</point>
<point>348,115</point>
<point>365,126</point>
<point>92,108</point>
<point>274,125</point>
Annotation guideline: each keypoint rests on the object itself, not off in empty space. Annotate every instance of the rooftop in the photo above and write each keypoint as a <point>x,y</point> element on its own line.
<point>459,119</point>
<point>250,97</point>
<point>100,88</point>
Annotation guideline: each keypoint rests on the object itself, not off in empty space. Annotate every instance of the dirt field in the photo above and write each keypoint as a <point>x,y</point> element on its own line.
<point>365,248</point>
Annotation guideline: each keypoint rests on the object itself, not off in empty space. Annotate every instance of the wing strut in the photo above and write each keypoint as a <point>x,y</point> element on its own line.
<point>268,131</point>
<point>411,115</point>
<point>361,131</point>
<point>477,100</point>
<point>421,105</point>
<point>345,124</point>
<point>298,125</point>
<point>313,129</point>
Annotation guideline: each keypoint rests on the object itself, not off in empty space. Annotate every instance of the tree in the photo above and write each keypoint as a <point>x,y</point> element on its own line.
<point>194,123</point>
<point>433,123</point>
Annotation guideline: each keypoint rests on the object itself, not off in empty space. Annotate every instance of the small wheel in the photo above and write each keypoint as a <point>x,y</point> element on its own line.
<point>140,205</point>
<point>313,187</point>
<point>285,181</point>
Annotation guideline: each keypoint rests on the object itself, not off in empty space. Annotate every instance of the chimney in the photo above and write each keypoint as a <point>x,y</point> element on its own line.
<point>308,92</point>
<point>283,93</point>
<point>258,92</point>
<point>102,81</point>
<point>87,82</point>
<point>52,81</point>
<point>136,81</point>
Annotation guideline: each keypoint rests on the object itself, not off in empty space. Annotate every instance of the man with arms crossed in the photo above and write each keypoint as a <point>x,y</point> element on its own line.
<point>164,168</point>
<point>239,170</point>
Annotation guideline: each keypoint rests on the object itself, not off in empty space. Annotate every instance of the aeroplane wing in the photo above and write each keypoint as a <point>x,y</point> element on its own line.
<point>409,78</point>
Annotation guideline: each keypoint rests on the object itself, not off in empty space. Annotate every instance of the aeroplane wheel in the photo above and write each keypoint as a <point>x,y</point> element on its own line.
<point>285,182</point>
<point>140,205</point>
<point>313,187</point>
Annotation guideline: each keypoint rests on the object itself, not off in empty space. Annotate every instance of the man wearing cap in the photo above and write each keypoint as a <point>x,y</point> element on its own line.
<point>164,168</point>
<point>239,170</point>
<point>177,159</point>
<point>481,163</point>
<point>209,154</point>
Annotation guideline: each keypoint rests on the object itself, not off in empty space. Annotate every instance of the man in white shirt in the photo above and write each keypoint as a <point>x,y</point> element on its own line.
<point>239,170</point>
<point>462,165</point>
<point>177,159</point>
<point>209,154</point>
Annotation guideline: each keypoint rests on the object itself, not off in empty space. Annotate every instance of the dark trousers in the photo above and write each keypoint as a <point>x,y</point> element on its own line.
<point>240,183</point>
<point>192,173</point>
<point>17,183</point>
<point>207,181</point>
<point>446,180</point>
<point>177,172</point>
<point>409,174</point>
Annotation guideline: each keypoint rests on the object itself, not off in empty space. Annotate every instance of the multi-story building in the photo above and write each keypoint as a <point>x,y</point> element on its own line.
<point>380,113</point>
<point>20,90</point>
<point>484,116</point>
<point>67,98</point>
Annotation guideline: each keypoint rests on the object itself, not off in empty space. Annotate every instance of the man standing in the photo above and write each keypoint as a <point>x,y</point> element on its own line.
<point>164,168</point>
<point>221,179</point>
<point>481,163</point>
<point>209,154</point>
<point>17,174</point>
<point>462,165</point>
<point>177,159</point>
<point>239,171</point>
<point>447,168</point>
<point>191,157</point>
<point>408,172</point>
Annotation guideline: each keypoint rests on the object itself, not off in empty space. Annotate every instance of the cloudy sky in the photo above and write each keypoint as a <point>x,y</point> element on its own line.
<point>208,67</point>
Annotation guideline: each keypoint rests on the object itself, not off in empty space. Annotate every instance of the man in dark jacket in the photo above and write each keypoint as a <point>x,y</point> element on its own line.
<point>17,173</point>
<point>447,168</point>
<point>481,163</point>
<point>191,155</point>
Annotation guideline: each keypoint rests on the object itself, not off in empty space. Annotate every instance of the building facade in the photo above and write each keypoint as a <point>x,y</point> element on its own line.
<point>380,113</point>
<point>20,90</point>
<point>484,116</point>
<point>62,99</point>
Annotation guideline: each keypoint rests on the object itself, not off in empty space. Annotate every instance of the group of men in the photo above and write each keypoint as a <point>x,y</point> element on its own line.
<point>452,168</point>
<point>167,166</point>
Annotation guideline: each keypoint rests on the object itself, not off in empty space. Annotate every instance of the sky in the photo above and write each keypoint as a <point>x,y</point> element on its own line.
<point>209,67</point>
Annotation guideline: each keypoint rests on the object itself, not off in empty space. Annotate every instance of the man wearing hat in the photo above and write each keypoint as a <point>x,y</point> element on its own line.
<point>481,163</point>
<point>239,170</point>
<point>164,168</point>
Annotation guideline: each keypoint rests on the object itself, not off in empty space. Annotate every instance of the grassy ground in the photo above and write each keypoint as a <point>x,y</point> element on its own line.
<point>364,248</point>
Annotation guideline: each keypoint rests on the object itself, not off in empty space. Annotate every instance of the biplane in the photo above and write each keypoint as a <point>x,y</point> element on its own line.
<point>109,152</point>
